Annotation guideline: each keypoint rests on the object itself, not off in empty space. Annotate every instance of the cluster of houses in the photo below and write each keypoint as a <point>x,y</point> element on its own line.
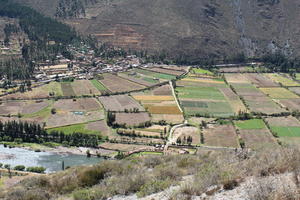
<point>84,65</point>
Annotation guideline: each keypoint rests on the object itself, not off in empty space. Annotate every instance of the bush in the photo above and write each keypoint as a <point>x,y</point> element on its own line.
<point>36,169</point>
<point>19,168</point>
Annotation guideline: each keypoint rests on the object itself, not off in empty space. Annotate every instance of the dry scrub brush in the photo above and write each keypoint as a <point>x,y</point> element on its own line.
<point>151,174</point>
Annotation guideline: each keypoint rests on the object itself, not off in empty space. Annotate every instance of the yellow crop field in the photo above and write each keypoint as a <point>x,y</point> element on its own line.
<point>203,80</point>
<point>172,109</point>
<point>282,80</point>
<point>279,93</point>
<point>153,98</point>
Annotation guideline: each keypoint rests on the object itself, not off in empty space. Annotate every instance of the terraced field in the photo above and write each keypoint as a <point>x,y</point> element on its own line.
<point>255,133</point>
<point>161,104</point>
<point>207,97</point>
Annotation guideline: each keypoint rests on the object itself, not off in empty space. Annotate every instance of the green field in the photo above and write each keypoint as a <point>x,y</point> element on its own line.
<point>286,131</point>
<point>251,124</point>
<point>73,128</point>
<point>155,74</point>
<point>214,109</point>
<point>98,85</point>
<point>150,80</point>
<point>200,93</point>
<point>201,71</point>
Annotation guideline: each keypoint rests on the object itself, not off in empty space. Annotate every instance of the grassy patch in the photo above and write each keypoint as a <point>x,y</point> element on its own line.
<point>98,85</point>
<point>250,124</point>
<point>286,131</point>
<point>150,80</point>
<point>44,113</point>
<point>74,128</point>
<point>201,71</point>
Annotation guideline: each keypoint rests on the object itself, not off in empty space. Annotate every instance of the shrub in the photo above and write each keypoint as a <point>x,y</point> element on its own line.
<point>19,168</point>
<point>36,169</point>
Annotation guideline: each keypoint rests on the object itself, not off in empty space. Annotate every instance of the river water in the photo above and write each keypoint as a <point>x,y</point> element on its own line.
<point>51,161</point>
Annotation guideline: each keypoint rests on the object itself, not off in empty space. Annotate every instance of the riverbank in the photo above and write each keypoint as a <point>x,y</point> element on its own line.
<point>58,149</point>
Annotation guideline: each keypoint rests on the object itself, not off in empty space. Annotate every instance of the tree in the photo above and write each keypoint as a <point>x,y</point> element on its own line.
<point>53,111</point>
<point>178,141</point>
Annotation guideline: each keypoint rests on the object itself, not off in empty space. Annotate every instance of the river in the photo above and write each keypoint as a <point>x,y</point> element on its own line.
<point>51,161</point>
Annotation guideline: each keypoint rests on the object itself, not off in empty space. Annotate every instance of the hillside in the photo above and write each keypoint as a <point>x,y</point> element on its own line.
<point>191,27</point>
<point>221,175</point>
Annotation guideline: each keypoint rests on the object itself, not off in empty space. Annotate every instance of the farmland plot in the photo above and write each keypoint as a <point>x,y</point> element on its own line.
<point>184,132</point>
<point>120,103</point>
<point>82,104</point>
<point>211,100</point>
<point>279,93</point>
<point>161,104</point>
<point>282,80</point>
<point>288,127</point>
<point>221,136</point>
<point>235,69</point>
<point>256,100</point>
<point>166,71</point>
<point>67,89</point>
<point>84,87</point>
<point>117,84</point>
<point>142,80</point>
<point>132,119</point>
<point>260,81</point>
<point>291,104</point>
<point>255,134</point>
<point>295,90</point>
<point>156,74</point>
<point>53,88</point>
<point>236,78</point>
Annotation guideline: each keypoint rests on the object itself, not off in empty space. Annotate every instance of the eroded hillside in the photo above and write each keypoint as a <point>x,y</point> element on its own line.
<point>190,27</point>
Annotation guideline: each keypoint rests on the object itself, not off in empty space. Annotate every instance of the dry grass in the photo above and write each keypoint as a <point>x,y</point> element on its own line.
<point>151,174</point>
<point>153,98</point>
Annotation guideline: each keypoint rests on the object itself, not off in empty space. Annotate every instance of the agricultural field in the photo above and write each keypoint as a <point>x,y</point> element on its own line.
<point>81,128</point>
<point>279,93</point>
<point>67,89</point>
<point>117,84</point>
<point>255,133</point>
<point>99,86</point>
<point>139,78</point>
<point>260,81</point>
<point>161,104</point>
<point>220,136</point>
<point>236,69</point>
<point>207,97</point>
<point>156,74</point>
<point>184,132</point>
<point>132,119</point>
<point>45,91</point>
<point>156,131</point>
<point>166,71</point>
<point>255,99</point>
<point>120,103</point>
<point>69,112</point>
<point>283,80</point>
<point>252,124</point>
<point>22,107</point>
<point>286,127</point>
<point>296,90</point>
<point>85,88</point>
<point>201,71</point>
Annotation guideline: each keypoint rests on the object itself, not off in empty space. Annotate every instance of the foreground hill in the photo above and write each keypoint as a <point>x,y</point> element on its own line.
<point>191,27</point>
<point>267,174</point>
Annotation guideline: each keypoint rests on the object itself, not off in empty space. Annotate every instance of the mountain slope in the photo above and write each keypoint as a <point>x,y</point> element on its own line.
<point>190,27</point>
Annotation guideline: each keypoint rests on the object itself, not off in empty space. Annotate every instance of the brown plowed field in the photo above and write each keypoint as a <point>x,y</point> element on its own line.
<point>132,119</point>
<point>117,84</point>
<point>221,136</point>
<point>120,103</point>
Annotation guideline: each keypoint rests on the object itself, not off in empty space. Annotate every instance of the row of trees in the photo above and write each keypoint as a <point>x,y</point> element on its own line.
<point>14,131</point>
